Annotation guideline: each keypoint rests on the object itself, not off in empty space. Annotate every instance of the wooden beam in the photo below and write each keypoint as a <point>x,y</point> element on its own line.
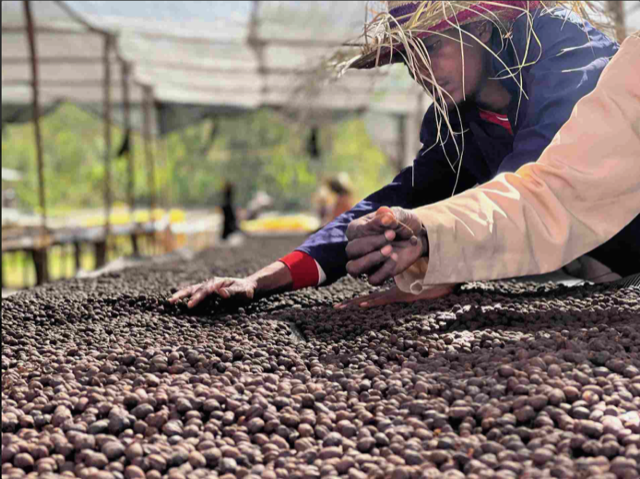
<point>54,60</point>
<point>59,83</point>
<point>95,84</point>
<point>80,19</point>
<point>279,42</point>
<point>152,63</point>
<point>11,30</point>
<point>40,259</point>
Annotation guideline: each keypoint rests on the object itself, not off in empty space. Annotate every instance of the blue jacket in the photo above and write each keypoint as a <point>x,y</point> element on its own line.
<point>572,58</point>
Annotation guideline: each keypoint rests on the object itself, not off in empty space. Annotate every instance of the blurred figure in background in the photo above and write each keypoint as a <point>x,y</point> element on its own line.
<point>341,186</point>
<point>322,202</point>
<point>334,197</point>
<point>230,224</point>
<point>258,204</point>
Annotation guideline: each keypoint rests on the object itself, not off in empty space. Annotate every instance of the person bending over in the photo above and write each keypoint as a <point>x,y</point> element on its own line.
<point>504,76</point>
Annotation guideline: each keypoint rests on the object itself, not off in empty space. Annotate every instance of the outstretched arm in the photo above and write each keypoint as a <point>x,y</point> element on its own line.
<point>322,258</point>
<point>275,278</point>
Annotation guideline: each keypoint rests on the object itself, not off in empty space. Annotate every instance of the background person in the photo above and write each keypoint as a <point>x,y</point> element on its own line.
<point>340,185</point>
<point>230,224</point>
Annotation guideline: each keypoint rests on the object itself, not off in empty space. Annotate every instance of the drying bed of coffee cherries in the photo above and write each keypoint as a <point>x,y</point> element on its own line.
<point>104,378</point>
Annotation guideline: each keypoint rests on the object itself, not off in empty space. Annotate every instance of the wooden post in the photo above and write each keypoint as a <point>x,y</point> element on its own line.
<point>616,11</point>
<point>127,128</point>
<point>68,261</point>
<point>101,251</point>
<point>148,147</point>
<point>167,236</point>
<point>165,164</point>
<point>131,197</point>
<point>77,252</point>
<point>39,256</point>
<point>148,150</point>
<point>42,257</point>
<point>107,134</point>
<point>25,268</point>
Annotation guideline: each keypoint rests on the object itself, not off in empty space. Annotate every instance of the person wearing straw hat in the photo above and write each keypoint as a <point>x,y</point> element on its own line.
<point>504,77</point>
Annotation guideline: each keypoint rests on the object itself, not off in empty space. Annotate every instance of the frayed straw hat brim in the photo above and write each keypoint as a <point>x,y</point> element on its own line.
<point>423,19</point>
<point>396,35</point>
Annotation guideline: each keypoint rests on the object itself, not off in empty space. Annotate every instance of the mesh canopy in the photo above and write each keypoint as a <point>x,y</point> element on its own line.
<point>70,60</point>
<point>201,59</point>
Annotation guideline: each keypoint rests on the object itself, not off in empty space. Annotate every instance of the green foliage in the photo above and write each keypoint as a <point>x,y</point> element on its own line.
<point>354,152</point>
<point>255,151</point>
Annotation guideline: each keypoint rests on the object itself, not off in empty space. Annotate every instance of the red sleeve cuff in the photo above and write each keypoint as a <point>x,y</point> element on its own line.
<point>304,270</point>
<point>491,117</point>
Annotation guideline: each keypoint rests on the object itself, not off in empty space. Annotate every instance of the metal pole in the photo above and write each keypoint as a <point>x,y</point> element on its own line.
<point>42,268</point>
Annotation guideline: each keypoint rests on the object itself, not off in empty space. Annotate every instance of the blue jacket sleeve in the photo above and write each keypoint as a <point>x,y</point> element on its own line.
<point>568,67</point>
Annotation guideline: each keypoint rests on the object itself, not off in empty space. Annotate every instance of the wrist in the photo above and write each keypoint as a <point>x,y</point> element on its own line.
<point>272,279</point>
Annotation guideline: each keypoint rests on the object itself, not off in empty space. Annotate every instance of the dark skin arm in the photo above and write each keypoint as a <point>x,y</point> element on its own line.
<point>383,245</point>
<point>273,279</point>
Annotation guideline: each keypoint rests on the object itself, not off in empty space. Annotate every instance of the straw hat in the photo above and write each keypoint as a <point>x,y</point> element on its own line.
<point>404,23</point>
<point>396,35</point>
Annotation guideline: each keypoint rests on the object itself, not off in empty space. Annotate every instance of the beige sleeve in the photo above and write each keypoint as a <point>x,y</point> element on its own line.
<point>582,191</point>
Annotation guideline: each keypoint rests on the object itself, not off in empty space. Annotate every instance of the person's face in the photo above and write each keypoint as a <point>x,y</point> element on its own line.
<point>446,55</point>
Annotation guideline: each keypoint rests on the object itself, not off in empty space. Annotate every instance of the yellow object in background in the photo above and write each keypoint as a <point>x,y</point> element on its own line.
<point>302,223</point>
<point>177,216</point>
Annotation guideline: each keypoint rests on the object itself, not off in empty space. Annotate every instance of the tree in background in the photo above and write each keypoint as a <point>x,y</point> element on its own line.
<point>256,151</point>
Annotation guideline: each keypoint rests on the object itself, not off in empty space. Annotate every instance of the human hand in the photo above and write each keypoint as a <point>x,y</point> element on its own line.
<point>389,240</point>
<point>238,288</point>
<point>395,295</point>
